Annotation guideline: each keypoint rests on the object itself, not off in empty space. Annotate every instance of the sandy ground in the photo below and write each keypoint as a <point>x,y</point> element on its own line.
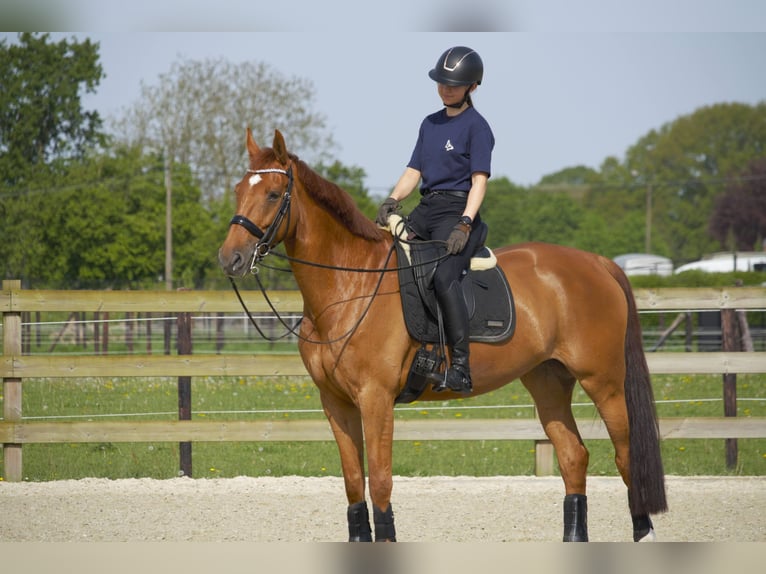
<point>295,509</point>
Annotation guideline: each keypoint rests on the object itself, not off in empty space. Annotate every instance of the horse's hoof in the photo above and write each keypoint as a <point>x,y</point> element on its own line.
<point>648,537</point>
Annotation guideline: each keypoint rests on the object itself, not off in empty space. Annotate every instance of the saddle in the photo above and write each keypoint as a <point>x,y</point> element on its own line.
<point>485,288</point>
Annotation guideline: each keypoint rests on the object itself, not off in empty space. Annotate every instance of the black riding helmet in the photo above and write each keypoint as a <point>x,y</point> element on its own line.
<point>458,66</point>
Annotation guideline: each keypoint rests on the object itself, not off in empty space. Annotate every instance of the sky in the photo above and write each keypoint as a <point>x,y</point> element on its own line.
<point>562,87</point>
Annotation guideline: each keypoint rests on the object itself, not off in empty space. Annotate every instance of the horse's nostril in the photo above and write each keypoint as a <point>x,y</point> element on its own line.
<point>232,264</point>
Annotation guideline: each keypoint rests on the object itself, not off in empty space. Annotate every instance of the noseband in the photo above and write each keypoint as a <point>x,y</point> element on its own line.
<point>266,238</point>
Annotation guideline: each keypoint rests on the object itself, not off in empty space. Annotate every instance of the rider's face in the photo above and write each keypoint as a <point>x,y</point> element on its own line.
<point>452,94</point>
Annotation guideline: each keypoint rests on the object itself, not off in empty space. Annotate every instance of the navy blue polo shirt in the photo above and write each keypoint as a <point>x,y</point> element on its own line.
<point>450,149</point>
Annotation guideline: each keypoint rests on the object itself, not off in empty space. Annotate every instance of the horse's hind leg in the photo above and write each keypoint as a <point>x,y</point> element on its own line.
<point>607,394</point>
<point>551,385</point>
<point>346,424</point>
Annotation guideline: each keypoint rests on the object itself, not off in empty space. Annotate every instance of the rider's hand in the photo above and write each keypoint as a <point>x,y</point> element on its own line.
<point>389,206</point>
<point>458,237</point>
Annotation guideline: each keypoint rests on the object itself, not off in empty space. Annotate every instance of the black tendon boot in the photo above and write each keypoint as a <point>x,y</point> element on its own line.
<point>575,518</point>
<point>384,524</point>
<point>359,523</point>
<point>456,327</point>
<point>643,530</point>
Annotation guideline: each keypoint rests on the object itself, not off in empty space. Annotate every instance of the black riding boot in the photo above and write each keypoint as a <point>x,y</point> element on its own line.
<point>456,327</point>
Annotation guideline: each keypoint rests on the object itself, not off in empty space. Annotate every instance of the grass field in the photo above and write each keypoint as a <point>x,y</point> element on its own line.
<point>283,398</point>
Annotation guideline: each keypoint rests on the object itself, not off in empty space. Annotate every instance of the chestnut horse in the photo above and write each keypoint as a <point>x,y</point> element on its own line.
<point>576,320</point>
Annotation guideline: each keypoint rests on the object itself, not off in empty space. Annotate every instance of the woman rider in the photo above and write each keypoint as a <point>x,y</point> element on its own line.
<point>451,160</point>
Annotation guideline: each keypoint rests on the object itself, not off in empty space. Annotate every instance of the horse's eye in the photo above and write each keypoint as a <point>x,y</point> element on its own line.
<point>273,195</point>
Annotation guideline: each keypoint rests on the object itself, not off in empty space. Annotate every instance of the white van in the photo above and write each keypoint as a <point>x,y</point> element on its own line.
<point>728,261</point>
<point>644,264</point>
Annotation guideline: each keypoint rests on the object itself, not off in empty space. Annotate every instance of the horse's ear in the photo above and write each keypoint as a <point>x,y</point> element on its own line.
<point>252,147</point>
<point>279,148</point>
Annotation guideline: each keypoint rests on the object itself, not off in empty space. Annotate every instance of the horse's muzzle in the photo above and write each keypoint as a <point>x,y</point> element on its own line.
<point>233,264</point>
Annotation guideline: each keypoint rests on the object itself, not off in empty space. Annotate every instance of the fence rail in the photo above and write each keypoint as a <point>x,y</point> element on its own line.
<point>16,367</point>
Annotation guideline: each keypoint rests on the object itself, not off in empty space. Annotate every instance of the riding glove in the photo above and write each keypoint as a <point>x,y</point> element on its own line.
<point>389,206</point>
<point>458,237</point>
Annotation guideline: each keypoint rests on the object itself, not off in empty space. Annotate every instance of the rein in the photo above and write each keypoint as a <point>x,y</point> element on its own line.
<point>292,329</point>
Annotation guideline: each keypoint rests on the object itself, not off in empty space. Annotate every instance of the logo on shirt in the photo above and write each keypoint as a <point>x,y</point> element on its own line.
<point>448,146</point>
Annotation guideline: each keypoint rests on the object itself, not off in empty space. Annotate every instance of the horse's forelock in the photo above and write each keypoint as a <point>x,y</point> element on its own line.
<point>265,157</point>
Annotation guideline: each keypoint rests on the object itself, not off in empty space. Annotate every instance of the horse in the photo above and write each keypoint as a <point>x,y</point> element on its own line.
<point>576,321</point>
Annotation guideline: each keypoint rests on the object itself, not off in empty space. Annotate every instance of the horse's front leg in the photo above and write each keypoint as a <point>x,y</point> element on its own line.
<point>346,424</point>
<point>378,416</point>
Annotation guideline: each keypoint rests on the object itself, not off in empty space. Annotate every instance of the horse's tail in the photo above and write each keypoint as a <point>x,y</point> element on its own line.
<point>647,477</point>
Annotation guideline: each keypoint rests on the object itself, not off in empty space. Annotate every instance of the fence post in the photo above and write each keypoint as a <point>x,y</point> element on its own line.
<point>730,342</point>
<point>184,344</point>
<point>544,455</point>
<point>12,385</point>
<point>544,458</point>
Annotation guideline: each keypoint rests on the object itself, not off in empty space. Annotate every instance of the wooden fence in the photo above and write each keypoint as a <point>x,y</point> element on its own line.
<point>15,367</point>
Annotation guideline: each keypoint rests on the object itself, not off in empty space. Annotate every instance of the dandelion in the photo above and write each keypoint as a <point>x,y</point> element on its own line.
<point>682,448</point>
<point>458,415</point>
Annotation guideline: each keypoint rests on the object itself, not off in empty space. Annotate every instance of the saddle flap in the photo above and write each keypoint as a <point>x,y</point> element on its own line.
<point>487,295</point>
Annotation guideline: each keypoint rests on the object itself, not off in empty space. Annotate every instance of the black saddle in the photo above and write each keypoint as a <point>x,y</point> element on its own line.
<point>488,299</point>
<point>487,295</point>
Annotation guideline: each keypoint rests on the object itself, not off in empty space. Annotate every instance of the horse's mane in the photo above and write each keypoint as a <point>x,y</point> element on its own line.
<point>332,198</point>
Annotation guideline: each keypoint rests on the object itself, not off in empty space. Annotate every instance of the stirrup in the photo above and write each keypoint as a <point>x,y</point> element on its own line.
<point>460,382</point>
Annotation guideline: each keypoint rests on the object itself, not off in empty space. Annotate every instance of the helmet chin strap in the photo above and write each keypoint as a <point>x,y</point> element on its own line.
<point>464,100</point>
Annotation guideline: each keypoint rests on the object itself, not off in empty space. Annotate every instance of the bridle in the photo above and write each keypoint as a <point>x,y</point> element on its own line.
<point>266,238</point>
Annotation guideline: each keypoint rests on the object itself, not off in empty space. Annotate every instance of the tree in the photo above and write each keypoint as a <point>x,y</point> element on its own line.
<point>102,226</point>
<point>197,113</point>
<point>572,176</point>
<point>515,214</point>
<point>502,211</point>
<point>688,163</point>
<point>740,214</point>
<point>42,121</point>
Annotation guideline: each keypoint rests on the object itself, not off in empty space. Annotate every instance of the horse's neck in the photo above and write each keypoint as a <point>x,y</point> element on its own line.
<point>331,251</point>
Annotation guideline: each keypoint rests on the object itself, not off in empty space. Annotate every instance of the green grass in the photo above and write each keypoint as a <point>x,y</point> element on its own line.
<point>298,398</point>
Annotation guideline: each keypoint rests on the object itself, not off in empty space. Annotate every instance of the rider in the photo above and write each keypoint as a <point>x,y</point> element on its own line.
<point>451,160</point>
